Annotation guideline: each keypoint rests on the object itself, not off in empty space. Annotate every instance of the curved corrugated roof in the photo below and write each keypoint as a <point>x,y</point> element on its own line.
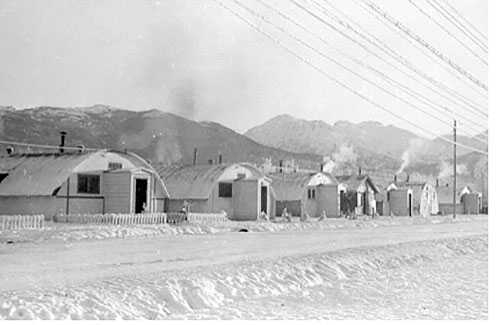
<point>196,182</point>
<point>37,174</point>
<point>191,182</point>
<point>291,186</point>
<point>33,174</point>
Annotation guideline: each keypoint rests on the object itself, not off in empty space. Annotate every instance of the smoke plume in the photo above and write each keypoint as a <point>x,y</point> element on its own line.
<point>447,170</point>
<point>340,159</point>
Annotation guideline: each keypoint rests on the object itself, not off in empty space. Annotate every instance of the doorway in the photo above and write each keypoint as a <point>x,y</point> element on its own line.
<point>141,194</point>
<point>263,199</point>
<point>410,206</point>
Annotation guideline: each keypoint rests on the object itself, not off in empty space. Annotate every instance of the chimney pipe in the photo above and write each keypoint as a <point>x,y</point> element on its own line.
<point>10,150</point>
<point>195,156</point>
<point>321,166</point>
<point>407,177</point>
<point>220,159</point>
<point>395,179</point>
<point>359,171</point>
<point>63,138</point>
<point>437,182</point>
<point>281,165</point>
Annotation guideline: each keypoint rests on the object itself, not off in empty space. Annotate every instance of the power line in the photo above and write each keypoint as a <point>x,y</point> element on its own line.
<point>395,56</point>
<point>329,76</point>
<point>425,44</point>
<point>466,21</point>
<point>433,58</point>
<point>380,74</point>
<point>447,31</point>
<point>458,25</point>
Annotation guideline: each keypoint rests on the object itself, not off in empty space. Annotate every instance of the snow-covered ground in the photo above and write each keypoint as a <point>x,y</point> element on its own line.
<point>72,232</point>
<point>417,268</point>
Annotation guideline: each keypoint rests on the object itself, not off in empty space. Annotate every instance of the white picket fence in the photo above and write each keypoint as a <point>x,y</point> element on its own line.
<point>123,218</point>
<point>207,218</point>
<point>21,222</point>
<point>143,218</point>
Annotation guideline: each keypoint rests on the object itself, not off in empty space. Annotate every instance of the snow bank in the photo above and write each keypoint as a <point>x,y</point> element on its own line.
<point>437,279</point>
<point>70,232</point>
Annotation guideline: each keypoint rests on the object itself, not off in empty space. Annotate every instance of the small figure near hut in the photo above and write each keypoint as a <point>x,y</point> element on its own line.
<point>285,215</point>
<point>305,217</point>
<point>322,216</point>
<point>264,216</point>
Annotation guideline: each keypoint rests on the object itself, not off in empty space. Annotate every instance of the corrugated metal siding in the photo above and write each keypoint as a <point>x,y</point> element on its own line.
<point>117,187</point>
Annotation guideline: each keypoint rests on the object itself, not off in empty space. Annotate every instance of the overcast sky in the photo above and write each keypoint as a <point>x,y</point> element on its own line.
<point>195,59</point>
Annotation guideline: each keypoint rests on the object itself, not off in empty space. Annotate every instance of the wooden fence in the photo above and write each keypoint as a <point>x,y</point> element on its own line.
<point>141,218</point>
<point>123,218</point>
<point>207,218</point>
<point>21,222</point>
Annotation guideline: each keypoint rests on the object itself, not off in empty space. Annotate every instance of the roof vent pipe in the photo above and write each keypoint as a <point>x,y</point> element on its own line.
<point>10,150</point>
<point>407,177</point>
<point>81,147</point>
<point>220,159</point>
<point>395,179</point>
<point>437,182</point>
<point>359,171</point>
<point>63,138</point>
<point>210,161</point>
<point>281,165</point>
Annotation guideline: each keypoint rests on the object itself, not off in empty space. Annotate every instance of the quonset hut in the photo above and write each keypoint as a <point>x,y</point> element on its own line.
<point>306,192</point>
<point>240,190</point>
<point>103,181</point>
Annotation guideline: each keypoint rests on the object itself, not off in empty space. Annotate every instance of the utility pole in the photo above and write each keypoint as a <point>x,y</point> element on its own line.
<point>454,169</point>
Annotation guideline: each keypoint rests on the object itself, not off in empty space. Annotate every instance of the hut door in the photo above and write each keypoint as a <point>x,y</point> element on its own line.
<point>141,194</point>
<point>263,199</point>
<point>410,207</point>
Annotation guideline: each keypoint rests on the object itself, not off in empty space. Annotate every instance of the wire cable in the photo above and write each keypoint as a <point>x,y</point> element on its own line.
<point>425,44</point>
<point>469,106</point>
<point>457,24</point>
<point>338,82</point>
<point>380,74</point>
<point>427,54</point>
<point>447,31</point>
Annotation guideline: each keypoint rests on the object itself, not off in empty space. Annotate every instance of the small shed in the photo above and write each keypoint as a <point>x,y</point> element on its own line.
<point>467,202</point>
<point>424,197</point>
<point>240,190</point>
<point>359,194</point>
<point>308,193</point>
<point>400,201</point>
<point>105,181</point>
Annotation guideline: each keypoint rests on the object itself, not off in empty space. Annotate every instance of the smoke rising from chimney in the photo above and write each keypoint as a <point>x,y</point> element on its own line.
<point>340,159</point>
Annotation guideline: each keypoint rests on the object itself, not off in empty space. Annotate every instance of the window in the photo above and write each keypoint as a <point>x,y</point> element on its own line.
<point>311,193</point>
<point>88,184</point>
<point>3,176</point>
<point>114,166</point>
<point>225,190</point>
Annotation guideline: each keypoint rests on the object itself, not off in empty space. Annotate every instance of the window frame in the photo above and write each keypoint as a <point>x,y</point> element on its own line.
<point>88,184</point>
<point>227,193</point>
